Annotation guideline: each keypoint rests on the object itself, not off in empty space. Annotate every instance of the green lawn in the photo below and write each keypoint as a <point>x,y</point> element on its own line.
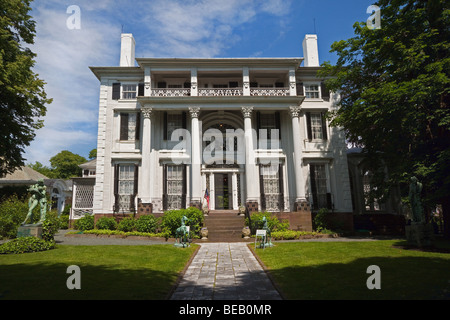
<point>338,270</point>
<point>107,272</point>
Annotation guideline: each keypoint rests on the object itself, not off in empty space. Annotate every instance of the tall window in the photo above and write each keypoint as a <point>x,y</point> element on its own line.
<point>129,126</point>
<point>174,186</point>
<point>316,126</point>
<point>129,91</point>
<point>271,185</point>
<point>268,122</point>
<point>125,187</point>
<point>318,179</point>
<point>172,122</point>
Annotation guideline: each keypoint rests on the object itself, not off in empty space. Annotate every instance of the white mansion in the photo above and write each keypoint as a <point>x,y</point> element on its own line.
<point>243,131</point>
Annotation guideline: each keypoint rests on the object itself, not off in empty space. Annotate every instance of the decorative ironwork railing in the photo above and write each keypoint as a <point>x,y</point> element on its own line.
<point>220,92</point>
<point>271,92</point>
<point>171,92</point>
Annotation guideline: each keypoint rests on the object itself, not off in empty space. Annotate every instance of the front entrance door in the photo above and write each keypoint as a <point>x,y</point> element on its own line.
<point>223,191</point>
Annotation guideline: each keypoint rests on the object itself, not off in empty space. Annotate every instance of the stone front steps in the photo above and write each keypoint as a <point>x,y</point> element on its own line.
<point>224,226</point>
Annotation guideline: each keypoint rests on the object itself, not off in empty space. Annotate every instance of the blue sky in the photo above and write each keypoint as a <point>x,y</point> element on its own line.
<point>163,28</point>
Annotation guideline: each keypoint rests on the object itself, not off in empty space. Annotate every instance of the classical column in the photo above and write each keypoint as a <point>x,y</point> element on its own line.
<point>196,188</point>
<point>298,156</point>
<point>251,177</point>
<point>146,140</point>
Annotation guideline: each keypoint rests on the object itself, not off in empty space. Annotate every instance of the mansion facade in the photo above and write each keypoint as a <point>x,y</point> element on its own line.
<point>218,132</point>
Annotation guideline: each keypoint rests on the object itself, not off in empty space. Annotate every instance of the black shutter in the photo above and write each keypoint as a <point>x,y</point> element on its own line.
<point>138,126</point>
<point>253,84</point>
<point>183,196</point>
<point>141,88</point>
<point>135,188</point>
<point>123,126</point>
<point>329,202</point>
<point>325,91</point>
<point>162,85</point>
<point>324,126</point>
<point>165,187</point>
<point>278,123</point>
<point>116,91</point>
<point>187,85</point>
<point>261,188</point>
<point>116,188</point>
<point>308,125</point>
<point>258,123</point>
<point>300,89</point>
<point>183,120</point>
<point>281,182</point>
<point>165,125</point>
<point>233,84</point>
<point>312,176</point>
<point>279,84</point>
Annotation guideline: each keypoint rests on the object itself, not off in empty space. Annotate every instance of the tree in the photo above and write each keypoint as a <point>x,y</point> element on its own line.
<point>65,165</point>
<point>22,95</point>
<point>93,154</point>
<point>394,95</point>
<point>39,167</point>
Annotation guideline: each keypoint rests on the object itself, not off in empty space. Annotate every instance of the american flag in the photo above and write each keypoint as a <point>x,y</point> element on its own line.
<point>206,196</point>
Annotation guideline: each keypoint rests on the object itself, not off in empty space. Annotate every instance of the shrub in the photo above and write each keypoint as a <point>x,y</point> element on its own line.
<point>26,244</point>
<point>50,226</point>
<point>85,223</point>
<point>146,223</point>
<point>273,222</point>
<point>64,221</point>
<point>320,220</point>
<point>127,224</point>
<point>13,211</point>
<point>171,220</point>
<point>106,223</point>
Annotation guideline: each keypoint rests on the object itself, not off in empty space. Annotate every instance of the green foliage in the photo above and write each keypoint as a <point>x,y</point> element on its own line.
<point>50,226</point>
<point>26,244</point>
<point>127,225</point>
<point>85,223</point>
<point>106,223</point>
<point>65,164</point>
<point>64,221</point>
<point>394,86</point>
<point>292,235</point>
<point>171,220</point>
<point>273,222</point>
<point>22,95</point>
<point>13,211</point>
<point>146,223</point>
<point>320,220</point>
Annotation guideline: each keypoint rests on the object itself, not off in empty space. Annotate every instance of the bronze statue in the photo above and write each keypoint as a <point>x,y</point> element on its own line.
<point>38,196</point>
<point>415,188</point>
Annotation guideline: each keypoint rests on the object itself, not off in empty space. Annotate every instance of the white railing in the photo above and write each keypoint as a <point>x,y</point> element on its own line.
<point>271,92</point>
<point>172,92</point>
<point>220,92</point>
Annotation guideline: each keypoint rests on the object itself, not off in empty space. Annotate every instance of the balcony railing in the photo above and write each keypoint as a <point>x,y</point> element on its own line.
<point>271,92</point>
<point>220,92</point>
<point>171,92</point>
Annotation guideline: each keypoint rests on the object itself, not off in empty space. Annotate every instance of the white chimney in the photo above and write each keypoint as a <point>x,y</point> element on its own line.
<point>310,51</point>
<point>127,49</point>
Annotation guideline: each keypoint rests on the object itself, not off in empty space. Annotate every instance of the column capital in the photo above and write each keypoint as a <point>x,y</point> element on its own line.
<point>147,111</point>
<point>295,111</point>
<point>194,111</point>
<point>247,112</point>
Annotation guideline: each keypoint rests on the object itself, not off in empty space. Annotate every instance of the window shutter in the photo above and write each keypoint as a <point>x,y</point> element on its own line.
<point>136,179</point>
<point>253,84</point>
<point>278,123</point>
<point>165,125</point>
<point>325,91</point>
<point>116,91</point>
<point>183,120</point>
<point>187,85</point>
<point>329,202</point>
<point>324,126</point>
<point>308,125</point>
<point>279,84</point>
<point>116,188</point>
<point>183,196</point>
<point>312,177</point>
<point>258,123</point>
<point>138,126</point>
<point>281,182</point>
<point>123,126</point>
<point>261,188</point>
<point>165,187</point>
<point>233,84</point>
<point>300,91</point>
<point>162,85</point>
<point>141,89</point>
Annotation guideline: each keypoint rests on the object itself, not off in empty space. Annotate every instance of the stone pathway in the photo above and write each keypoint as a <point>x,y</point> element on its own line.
<point>225,271</point>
